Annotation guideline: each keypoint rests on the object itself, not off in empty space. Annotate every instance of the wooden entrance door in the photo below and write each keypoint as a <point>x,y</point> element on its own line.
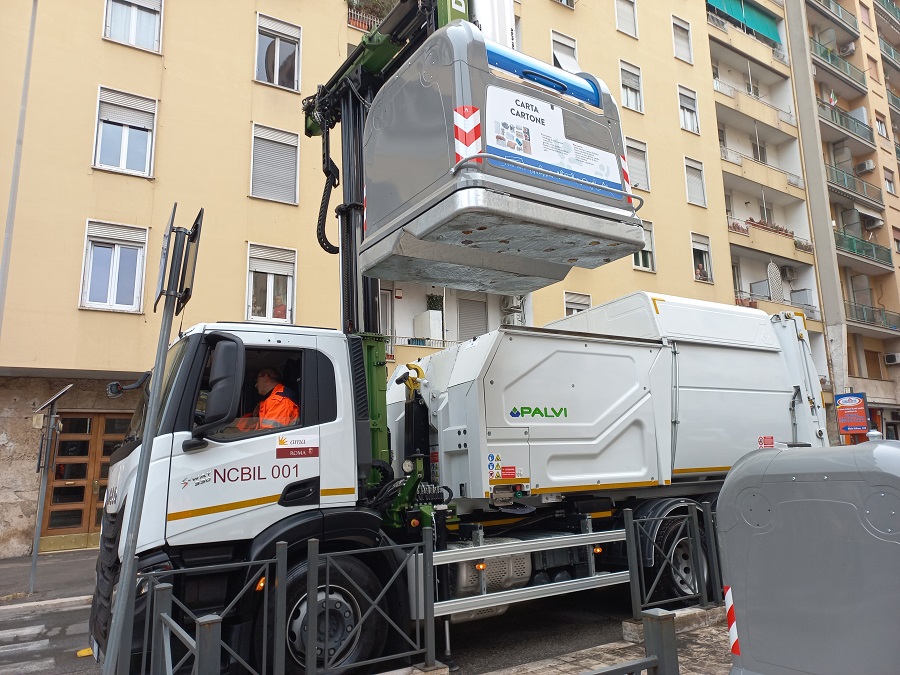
<point>76,485</point>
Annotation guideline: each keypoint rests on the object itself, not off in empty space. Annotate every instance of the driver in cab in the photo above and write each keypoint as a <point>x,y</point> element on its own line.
<point>278,408</point>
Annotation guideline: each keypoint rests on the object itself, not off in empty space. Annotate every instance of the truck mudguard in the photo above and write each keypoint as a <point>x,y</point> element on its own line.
<point>359,526</point>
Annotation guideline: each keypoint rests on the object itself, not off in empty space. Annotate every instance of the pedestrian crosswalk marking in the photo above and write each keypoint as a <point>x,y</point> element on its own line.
<point>32,667</point>
<point>32,646</point>
<point>27,631</point>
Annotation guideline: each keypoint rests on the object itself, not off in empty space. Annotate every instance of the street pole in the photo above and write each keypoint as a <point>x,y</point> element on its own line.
<point>127,575</point>
<point>17,163</point>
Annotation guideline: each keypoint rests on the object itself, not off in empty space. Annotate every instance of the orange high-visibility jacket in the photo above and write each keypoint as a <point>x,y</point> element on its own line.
<point>276,410</point>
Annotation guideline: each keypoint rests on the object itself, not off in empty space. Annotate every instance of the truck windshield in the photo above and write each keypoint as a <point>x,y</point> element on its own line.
<point>174,357</point>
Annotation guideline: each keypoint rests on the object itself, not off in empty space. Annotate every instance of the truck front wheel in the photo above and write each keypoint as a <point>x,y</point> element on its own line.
<point>344,636</point>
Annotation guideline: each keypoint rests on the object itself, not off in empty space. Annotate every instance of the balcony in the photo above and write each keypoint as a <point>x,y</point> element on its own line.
<point>897,151</point>
<point>873,316</point>
<point>770,238</point>
<point>843,21</point>
<point>758,173</point>
<point>856,187</point>
<point>891,55</point>
<point>841,118</point>
<point>760,298</point>
<point>408,349</point>
<point>361,20</point>
<point>744,102</point>
<point>863,254</point>
<point>888,17</point>
<point>747,44</point>
<point>893,101</point>
<point>849,81</point>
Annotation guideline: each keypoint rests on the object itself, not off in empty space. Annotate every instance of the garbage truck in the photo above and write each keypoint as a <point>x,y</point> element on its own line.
<point>522,433</point>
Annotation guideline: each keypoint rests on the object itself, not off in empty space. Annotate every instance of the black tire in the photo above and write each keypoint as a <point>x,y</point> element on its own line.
<point>679,579</point>
<point>345,607</point>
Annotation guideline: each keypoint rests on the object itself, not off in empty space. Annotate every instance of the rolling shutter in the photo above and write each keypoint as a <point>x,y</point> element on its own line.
<point>274,164</point>
<point>152,5</point>
<point>631,80</point>
<point>272,260</point>
<point>637,165</point>
<point>280,28</point>
<point>472,318</point>
<point>123,233</point>
<point>626,21</point>
<point>682,41</point>
<point>695,192</point>
<point>121,108</point>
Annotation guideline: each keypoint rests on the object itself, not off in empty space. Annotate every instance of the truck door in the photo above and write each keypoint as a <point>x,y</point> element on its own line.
<point>265,465</point>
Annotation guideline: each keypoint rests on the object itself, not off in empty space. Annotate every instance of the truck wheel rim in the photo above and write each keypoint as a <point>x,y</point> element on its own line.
<point>338,616</point>
<point>683,570</point>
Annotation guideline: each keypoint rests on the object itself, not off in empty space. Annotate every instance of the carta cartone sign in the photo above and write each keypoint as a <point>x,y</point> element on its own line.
<point>525,411</point>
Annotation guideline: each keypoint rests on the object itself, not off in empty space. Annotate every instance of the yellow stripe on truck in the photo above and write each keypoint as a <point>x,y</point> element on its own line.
<point>704,469</point>
<point>220,508</point>
<point>334,492</point>
<point>587,488</point>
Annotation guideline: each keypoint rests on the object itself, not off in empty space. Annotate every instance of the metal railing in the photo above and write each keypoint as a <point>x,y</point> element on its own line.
<point>888,50</point>
<point>743,227</point>
<point>821,51</point>
<point>840,13</point>
<point>730,155</point>
<point>804,245</point>
<point>845,180</point>
<point>731,91</point>
<point>659,646</point>
<point>875,316</point>
<point>861,247</point>
<point>893,99</point>
<point>892,9</point>
<point>205,647</point>
<point>717,21</point>
<point>897,151</point>
<point>361,20</point>
<point>843,119</point>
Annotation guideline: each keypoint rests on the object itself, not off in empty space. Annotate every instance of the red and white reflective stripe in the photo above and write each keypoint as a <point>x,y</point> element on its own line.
<point>626,182</point>
<point>732,626</point>
<point>467,131</point>
<point>365,218</point>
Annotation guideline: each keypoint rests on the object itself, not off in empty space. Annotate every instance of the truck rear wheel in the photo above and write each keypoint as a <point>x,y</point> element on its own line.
<point>352,589</point>
<point>679,579</point>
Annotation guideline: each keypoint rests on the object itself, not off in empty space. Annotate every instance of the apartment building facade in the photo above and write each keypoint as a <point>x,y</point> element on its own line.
<point>142,114</point>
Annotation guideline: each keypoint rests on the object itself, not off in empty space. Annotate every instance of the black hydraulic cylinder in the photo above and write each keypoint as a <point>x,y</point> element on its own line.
<point>416,432</point>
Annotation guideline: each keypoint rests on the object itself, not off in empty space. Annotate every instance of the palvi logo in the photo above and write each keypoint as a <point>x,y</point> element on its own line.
<point>527,411</point>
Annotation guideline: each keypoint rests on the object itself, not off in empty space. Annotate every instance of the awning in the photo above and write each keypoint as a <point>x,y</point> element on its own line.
<point>761,21</point>
<point>735,8</point>
<point>717,4</point>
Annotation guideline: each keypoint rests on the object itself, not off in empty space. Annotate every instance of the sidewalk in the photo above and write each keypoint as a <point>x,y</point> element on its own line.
<point>59,576</point>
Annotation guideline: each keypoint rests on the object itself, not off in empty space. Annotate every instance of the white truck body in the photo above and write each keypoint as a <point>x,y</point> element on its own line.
<point>640,392</point>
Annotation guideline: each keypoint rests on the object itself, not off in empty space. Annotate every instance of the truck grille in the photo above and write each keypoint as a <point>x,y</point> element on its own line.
<point>107,576</point>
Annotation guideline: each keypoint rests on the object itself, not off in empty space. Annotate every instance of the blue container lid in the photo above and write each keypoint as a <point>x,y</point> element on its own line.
<point>531,69</point>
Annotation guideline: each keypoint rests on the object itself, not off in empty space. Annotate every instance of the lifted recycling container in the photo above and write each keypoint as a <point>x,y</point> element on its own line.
<point>489,170</point>
<point>810,541</point>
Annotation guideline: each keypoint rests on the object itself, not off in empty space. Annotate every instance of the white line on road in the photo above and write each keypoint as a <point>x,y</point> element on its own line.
<point>33,667</point>
<point>25,631</point>
<point>33,646</point>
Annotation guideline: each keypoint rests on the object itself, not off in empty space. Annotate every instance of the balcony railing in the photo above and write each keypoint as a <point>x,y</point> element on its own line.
<point>743,227</point>
<point>843,119</point>
<point>852,183</point>
<point>840,13</point>
<point>732,92</point>
<point>751,299</point>
<point>860,247</point>
<point>738,158</point>
<point>361,20</point>
<point>803,245</point>
<point>897,151</point>
<point>393,341</point>
<point>875,316</point>
<point>890,8</point>
<point>837,62</point>
<point>893,99</point>
<point>888,50</point>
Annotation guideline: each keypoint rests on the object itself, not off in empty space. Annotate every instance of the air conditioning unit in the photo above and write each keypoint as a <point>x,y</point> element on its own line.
<point>892,358</point>
<point>871,224</point>
<point>788,273</point>
<point>513,320</point>
<point>865,167</point>
<point>511,303</point>
<point>847,49</point>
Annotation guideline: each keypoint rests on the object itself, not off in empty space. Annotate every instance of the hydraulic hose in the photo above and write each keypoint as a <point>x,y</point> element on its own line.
<point>331,182</point>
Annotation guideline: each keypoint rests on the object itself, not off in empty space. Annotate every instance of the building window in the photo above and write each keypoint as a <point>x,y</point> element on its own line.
<point>702,261</point>
<point>125,125</point>
<point>889,182</point>
<point>696,191</point>
<point>626,17</point>
<point>632,97</point>
<point>136,22</point>
<point>751,88</point>
<point>270,286</point>
<point>715,70</point>
<point>864,15</point>
<point>881,126</point>
<point>681,32</point>
<point>274,172</point>
<point>729,205</point>
<point>565,55</point>
<point>278,53</point>
<point>873,68</point>
<point>576,302</point>
<point>638,173</point>
<point>687,103</point>
<point>766,214</point>
<point>759,150</point>
<point>113,267</point>
<point>645,259</point>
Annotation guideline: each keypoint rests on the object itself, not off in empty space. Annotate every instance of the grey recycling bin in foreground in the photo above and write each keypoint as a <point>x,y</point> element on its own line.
<point>810,542</point>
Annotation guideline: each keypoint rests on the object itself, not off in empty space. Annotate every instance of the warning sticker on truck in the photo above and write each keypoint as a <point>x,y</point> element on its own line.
<point>531,131</point>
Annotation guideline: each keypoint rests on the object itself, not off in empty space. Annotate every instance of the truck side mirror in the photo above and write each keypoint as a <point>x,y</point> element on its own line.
<point>226,373</point>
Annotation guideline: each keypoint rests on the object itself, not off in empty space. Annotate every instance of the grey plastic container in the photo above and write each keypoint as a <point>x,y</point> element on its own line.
<point>549,196</point>
<point>810,543</point>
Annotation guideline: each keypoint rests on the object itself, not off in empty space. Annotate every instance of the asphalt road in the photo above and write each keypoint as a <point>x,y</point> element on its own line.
<point>45,640</point>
